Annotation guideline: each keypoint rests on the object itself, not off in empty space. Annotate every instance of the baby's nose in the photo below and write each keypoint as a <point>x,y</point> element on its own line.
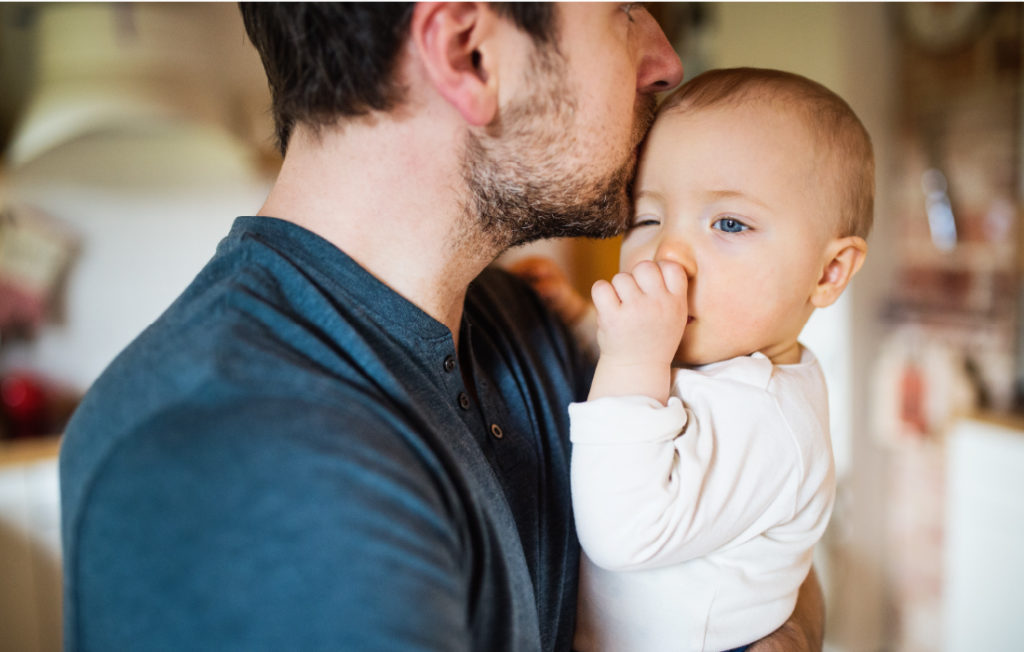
<point>677,252</point>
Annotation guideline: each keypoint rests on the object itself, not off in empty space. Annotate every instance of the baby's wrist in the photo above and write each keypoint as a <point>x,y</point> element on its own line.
<point>639,351</point>
<point>615,376</point>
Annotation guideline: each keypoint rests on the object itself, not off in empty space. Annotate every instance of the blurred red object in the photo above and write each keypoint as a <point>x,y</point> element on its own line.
<point>33,407</point>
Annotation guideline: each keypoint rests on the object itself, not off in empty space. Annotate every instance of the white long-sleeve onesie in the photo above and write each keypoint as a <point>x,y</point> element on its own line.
<point>698,519</point>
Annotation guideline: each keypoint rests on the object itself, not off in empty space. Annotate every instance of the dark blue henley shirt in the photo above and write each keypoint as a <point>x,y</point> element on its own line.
<point>288,459</point>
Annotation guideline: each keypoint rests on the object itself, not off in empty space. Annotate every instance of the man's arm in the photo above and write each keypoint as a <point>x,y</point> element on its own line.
<point>805,629</point>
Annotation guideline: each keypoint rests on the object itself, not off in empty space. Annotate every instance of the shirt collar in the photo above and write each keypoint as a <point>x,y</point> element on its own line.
<point>337,274</point>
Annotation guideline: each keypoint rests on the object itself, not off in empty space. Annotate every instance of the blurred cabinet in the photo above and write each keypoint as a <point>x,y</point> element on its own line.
<point>984,578</point>
<point>957,179</point>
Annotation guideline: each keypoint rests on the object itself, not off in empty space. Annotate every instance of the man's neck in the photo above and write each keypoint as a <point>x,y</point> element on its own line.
<point>390,195</point>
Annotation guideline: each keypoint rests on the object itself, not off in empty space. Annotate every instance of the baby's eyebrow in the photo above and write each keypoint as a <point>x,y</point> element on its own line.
<point>729,193</point>
<point>648,194</point>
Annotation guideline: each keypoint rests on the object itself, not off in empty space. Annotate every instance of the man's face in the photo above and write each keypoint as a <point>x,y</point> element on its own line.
<point>561,161</point>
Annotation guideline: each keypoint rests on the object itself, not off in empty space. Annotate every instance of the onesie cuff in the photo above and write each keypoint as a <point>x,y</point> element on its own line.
<point>626,420</point>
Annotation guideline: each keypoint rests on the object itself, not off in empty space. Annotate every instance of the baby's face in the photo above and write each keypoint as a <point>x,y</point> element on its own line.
<point>734,195</point>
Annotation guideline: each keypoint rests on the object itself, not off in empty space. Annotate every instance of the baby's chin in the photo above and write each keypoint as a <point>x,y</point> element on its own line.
<point>688,358</point>
<point>691,361</point>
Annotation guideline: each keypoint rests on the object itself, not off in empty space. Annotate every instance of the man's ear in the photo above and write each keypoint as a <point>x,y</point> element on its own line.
<point>451,38</point>
<point>843,258</point>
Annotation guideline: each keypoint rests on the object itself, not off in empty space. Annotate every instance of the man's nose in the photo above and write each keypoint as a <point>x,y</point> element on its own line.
<point>660,68</point>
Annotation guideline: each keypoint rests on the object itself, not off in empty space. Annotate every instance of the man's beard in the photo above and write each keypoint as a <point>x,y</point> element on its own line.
<point>522,182</point>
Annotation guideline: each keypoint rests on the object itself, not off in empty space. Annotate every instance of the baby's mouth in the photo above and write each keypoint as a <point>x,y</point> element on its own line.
<point>689,319</point>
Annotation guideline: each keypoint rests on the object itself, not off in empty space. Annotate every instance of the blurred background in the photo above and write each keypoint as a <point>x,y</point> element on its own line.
<point>133,134</point>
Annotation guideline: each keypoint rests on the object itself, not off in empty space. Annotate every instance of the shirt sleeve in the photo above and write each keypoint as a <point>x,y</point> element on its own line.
<point>265,538</point>
<point>655,485</point>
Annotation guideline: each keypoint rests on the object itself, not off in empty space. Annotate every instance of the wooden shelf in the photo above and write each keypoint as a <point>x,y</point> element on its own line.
<point>26,451</point>
<point>1012,421</point>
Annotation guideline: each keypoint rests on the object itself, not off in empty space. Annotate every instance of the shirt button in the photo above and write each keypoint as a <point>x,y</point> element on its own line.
<point>464,400</point>
<point>496,431</point>
<point>449,364</point>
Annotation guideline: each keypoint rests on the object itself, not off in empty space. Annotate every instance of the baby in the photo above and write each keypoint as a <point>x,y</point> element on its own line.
<point>702,471</point>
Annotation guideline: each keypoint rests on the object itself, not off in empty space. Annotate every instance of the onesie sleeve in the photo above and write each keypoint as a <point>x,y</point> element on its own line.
<point>655,485</point>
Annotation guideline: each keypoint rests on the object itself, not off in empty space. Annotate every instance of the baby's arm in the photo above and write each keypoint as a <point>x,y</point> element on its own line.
<point>640,321</point>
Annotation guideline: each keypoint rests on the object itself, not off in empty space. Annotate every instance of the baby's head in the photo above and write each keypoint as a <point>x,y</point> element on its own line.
<point>761,184</point>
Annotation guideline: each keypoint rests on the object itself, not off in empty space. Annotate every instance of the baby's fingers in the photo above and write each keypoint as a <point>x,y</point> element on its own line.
<point>648,277</point>
<point>675,277</point>
<point>626,287</point>
<point>604,296</point>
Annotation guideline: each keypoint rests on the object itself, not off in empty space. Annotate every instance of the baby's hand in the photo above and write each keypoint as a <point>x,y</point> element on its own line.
<point>551,284</point>
<point>641,317</point>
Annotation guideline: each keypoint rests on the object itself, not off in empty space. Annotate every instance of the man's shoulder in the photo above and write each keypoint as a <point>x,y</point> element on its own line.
<point>232,367</point>
<point>207,415</point>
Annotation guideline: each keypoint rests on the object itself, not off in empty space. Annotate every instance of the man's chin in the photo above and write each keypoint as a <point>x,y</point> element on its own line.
<point>600,224</point>
<point>517,209</point>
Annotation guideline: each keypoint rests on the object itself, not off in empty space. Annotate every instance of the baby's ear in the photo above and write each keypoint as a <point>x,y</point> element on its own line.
<point>843,258</point>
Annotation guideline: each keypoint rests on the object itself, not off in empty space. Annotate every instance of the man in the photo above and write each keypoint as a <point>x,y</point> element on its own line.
<point>346,434</point>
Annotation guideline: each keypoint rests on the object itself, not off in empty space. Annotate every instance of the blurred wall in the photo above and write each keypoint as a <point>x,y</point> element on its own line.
<point>143,132</point>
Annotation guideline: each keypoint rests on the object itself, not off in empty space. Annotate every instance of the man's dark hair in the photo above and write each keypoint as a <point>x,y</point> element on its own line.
<point>332,60</point>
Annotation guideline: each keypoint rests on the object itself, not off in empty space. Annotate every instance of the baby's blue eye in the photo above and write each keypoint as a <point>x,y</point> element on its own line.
<point>729,225</point>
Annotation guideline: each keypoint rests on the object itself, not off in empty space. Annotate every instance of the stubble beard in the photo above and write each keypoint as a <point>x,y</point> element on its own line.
<point>522,183</point>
